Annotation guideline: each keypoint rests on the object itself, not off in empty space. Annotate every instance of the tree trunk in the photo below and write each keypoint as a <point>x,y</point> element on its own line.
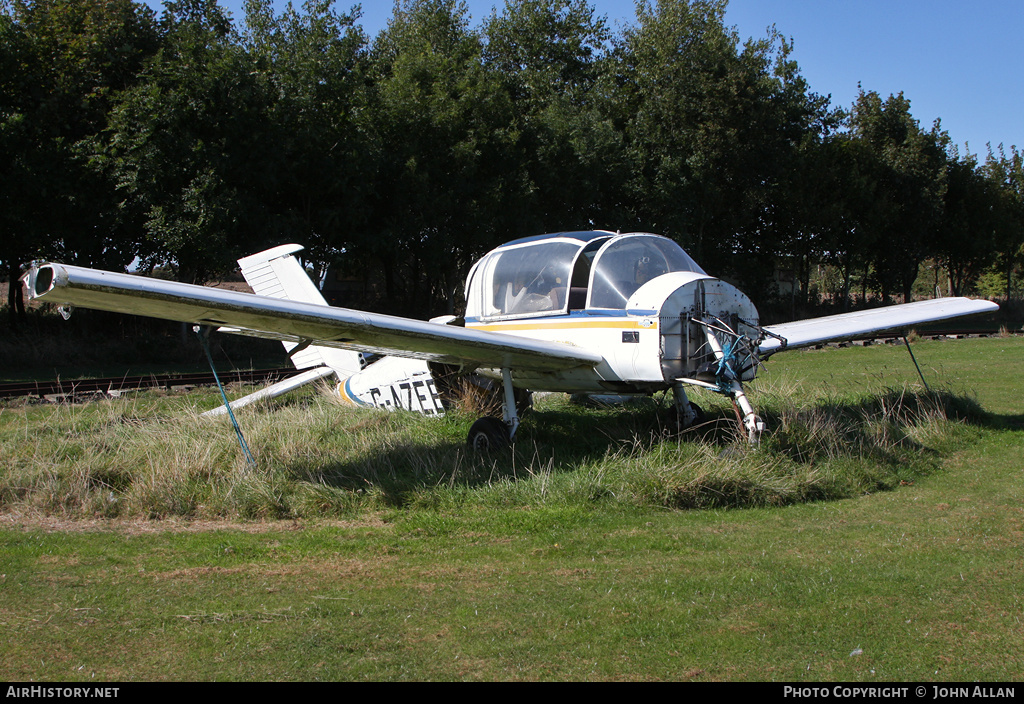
<point>15,297</point>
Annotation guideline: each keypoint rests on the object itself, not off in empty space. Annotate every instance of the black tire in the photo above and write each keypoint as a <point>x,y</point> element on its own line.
<point>488,434</point>
<point>524,402</point>
<point>698,420</point>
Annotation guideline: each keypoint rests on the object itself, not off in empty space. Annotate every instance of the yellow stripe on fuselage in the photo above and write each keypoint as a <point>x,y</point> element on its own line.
<point>563,324</point>
<point>344,394</point>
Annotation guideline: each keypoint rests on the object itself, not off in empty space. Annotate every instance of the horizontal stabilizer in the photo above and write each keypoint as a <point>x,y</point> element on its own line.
<point>274,390</point>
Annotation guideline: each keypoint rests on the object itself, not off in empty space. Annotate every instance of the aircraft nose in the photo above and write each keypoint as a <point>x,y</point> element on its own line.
<point>708,298</point>
<point>690,310</point>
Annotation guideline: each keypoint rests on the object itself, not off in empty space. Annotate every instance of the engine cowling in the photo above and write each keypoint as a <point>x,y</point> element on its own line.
<point>687,306</point>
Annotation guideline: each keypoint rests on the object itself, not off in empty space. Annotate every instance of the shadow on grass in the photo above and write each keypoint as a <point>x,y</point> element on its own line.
<point>895,435</point>
<point>1009,422</point>
<point>550,441</point>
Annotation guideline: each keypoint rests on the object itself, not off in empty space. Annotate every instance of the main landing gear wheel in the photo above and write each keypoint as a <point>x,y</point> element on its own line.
<point>488,434</point>
<point>687,413</point>
<point>698,417</point>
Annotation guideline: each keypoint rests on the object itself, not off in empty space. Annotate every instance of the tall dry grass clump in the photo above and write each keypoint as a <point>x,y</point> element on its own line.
<point>154,456</point>
<point>113,458</point>
<point>814,449</point>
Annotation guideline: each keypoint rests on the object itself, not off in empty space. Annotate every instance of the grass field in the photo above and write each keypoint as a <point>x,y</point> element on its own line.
<point>373,547</point>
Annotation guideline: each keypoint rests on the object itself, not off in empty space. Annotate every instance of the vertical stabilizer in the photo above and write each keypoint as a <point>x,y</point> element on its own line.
<point>278,274</point>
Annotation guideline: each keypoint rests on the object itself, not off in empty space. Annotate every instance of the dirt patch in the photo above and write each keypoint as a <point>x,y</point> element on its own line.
<point>136,526</point>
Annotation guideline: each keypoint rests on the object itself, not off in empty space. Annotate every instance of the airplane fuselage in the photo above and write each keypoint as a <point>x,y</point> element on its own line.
<point>629,297</point>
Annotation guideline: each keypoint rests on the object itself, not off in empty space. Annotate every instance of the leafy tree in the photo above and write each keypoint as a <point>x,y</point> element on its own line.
<point>16,152</point>
<point>711,128</point>
<point>672,66</point>
<point>187,144</point>
<point>551,57</point>
<point>313,65</point>
<point>852,237</point>
<point>547,48</point>
<point>910,175</point>
<point>438,125</point>
<point>823,215</point>
<point>185,141</point>
<point>63,61</point>
<point>966,236</point>
<point>1005,173</point>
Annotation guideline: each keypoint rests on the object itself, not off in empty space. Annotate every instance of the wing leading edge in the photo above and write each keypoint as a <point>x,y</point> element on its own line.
<point>297,321</point>
<point>847,326</point>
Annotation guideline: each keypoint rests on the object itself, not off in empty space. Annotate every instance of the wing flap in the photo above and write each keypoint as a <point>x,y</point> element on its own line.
<point>848,326</point>
<point>301,321</point>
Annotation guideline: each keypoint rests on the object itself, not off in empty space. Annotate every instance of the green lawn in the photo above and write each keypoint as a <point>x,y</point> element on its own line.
<point>516,581</point>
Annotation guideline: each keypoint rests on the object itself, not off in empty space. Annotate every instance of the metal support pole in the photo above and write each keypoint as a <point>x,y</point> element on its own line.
<point>204,337</point>
<point>907,343</point>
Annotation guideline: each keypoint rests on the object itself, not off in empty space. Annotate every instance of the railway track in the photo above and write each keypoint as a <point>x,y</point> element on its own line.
<point>112,385</point>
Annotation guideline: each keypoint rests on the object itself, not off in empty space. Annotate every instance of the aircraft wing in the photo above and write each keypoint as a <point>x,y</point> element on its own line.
<point>300,322</point>
<point>848,326</point>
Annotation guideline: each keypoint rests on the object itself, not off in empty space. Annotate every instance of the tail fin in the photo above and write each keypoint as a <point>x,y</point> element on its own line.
<point>276,273</point>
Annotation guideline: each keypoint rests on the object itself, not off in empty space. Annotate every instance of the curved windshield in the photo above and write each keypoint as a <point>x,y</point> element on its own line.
<point>627,263</point>
<point>527,280</point>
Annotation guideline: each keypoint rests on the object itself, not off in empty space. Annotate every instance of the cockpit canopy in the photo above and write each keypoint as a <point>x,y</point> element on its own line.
<point>570,271</point>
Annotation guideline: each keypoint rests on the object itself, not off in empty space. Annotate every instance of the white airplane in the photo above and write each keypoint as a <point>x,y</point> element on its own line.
<point>591,312</point>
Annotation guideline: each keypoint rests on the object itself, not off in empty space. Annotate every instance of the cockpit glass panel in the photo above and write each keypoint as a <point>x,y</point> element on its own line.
<point>626,264</point>
<point>528,280</point>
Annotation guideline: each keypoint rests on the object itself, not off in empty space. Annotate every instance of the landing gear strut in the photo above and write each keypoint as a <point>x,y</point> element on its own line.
<point>489,433</point>
<point>738,352</point>
<point>688,413</point>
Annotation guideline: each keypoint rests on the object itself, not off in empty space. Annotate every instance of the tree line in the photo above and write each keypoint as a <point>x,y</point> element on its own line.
<point>187,140</point>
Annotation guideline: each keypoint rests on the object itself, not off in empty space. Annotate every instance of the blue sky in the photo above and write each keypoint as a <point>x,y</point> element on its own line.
<point>955,60</point>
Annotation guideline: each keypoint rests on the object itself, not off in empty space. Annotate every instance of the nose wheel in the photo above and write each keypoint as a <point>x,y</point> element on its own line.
<point>737,354</point>
<point>688,413</point>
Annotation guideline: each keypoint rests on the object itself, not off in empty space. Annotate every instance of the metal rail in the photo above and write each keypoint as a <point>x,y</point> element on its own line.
<point>124,383</point>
